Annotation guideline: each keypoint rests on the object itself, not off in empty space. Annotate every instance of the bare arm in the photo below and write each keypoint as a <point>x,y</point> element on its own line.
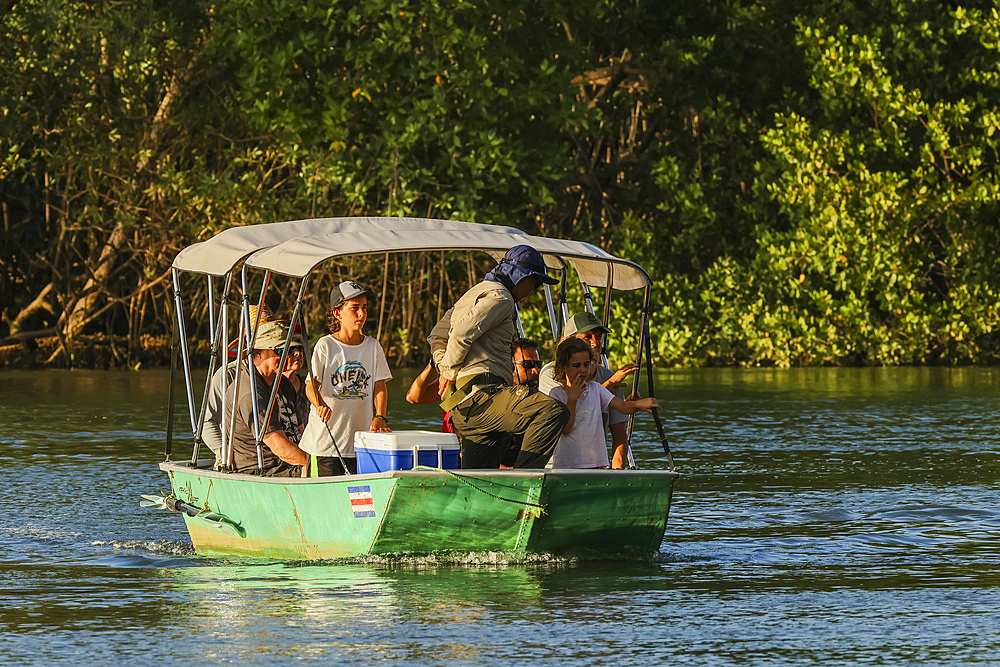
<point>312,393</point>
<point>285,449</point>
<point>380,397</point>
<point>423,390</point>
<point>631,407</point>
<point>619,438</point>
<point>615,382</point>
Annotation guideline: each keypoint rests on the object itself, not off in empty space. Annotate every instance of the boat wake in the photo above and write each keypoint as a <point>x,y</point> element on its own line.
<point>487,558</point>
<point>666,558</point>
<point>490,558</point>
<point>395,560</point>
<point>158,547</point>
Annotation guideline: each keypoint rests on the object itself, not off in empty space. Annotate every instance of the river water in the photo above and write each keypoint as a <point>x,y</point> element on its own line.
<point>824,516</point>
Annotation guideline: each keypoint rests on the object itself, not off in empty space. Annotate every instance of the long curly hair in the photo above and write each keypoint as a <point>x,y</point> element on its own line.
<point>564,353</point>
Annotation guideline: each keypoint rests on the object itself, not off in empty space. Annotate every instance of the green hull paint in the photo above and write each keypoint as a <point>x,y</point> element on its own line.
<point>426,511</point>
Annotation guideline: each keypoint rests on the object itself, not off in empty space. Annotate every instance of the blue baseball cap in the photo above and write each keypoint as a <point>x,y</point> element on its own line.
<point>522,261</point>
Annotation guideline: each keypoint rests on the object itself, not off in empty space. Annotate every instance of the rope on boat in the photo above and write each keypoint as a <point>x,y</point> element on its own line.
<point>205,509</point>
<point>540,508</point>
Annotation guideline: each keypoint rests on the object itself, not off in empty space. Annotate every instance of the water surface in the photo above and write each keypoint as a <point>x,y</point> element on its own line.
<point>824,516</point>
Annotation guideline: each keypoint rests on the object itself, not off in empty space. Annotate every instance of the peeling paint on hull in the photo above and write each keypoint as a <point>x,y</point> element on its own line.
<point>428,511</point>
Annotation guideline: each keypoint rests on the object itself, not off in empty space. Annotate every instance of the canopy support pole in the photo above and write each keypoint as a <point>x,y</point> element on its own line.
<point>649,378</point>
<point>645,346</point>
<point>224,317</point>
<point>607,295</point>
<point>284,350</point>
<point>216,328</point>
<point>229,429</point>
<point>185,358</point>
<point>563,308</point>
<point>638,362</point>
<point>174,343</point>
<point>211,303</point>
<point>551,311</point>
<point>258,425</point>
<point>588,299</point>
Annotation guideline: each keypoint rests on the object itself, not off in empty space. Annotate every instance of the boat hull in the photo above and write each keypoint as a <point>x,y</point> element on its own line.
<point>425,511</point>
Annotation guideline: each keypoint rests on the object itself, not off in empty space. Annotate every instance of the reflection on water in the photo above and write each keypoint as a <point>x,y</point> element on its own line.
<point>824,515</point>
<point>353,595</point>
<point>400,611</point>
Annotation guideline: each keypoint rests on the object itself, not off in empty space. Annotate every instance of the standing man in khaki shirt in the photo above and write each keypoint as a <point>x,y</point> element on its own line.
<point>472,347</point>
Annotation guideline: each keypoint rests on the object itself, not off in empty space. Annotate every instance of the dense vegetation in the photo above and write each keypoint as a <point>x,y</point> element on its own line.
<point>807,183</point>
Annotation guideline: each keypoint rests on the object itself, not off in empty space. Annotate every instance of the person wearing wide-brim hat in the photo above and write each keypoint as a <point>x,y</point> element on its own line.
<point>588,328</point>
<point>471,347</point>
<point>292,403</point>
<point>280,456</point>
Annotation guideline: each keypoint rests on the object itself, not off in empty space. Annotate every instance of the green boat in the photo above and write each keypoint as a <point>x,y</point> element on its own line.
<point>579,512</point>
<point>426,510</point>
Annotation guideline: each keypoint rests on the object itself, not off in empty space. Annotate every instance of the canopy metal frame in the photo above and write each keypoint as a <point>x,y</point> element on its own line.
<point>297,248</point>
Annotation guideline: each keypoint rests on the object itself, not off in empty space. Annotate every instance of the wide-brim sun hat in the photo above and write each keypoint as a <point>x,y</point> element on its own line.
<point>266,316</point>
<point>271,336</point>
<point>522,261</point>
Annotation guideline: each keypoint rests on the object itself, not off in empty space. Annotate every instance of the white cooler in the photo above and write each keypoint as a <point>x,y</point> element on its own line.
<point>382,452</point>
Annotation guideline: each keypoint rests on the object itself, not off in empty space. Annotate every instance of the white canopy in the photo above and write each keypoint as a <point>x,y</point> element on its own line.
<point>297,248</point>
<point>220,254</point>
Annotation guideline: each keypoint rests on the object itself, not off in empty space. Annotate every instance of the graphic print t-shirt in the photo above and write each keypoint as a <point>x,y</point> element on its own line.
<point>346,375</point>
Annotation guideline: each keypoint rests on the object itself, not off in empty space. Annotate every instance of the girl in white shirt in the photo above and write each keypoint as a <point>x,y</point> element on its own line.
<point>348,382</point>
<point>582,443</point>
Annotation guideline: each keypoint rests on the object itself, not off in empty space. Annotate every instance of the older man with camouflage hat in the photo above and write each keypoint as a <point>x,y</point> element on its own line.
<point>588,328</point>
<point>292,401</point>
<point>471,347</point>
<point>279,455</point>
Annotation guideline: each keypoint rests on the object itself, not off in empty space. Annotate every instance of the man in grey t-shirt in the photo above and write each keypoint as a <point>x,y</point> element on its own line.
<point>280,455</point>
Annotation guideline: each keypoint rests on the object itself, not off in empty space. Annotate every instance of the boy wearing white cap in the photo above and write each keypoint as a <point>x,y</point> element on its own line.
<point>349,374</point>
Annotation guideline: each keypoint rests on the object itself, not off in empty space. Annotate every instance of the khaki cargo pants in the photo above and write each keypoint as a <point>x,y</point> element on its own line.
<point>486,421</point>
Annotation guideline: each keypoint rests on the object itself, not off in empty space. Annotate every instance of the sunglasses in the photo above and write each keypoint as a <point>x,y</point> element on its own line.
<point>294,350</point>
<point>529,364</point>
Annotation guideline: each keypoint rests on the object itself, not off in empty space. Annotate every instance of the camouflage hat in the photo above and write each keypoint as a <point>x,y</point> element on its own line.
<point>271,336</point>
<point>582,322</point>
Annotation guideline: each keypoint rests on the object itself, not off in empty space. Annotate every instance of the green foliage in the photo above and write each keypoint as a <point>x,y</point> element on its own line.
<point>408,108</point>
<point>807,184</point>
<point>873,201</point>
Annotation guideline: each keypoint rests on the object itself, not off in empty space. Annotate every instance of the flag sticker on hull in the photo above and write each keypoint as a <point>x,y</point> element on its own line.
<point>361,501</point>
